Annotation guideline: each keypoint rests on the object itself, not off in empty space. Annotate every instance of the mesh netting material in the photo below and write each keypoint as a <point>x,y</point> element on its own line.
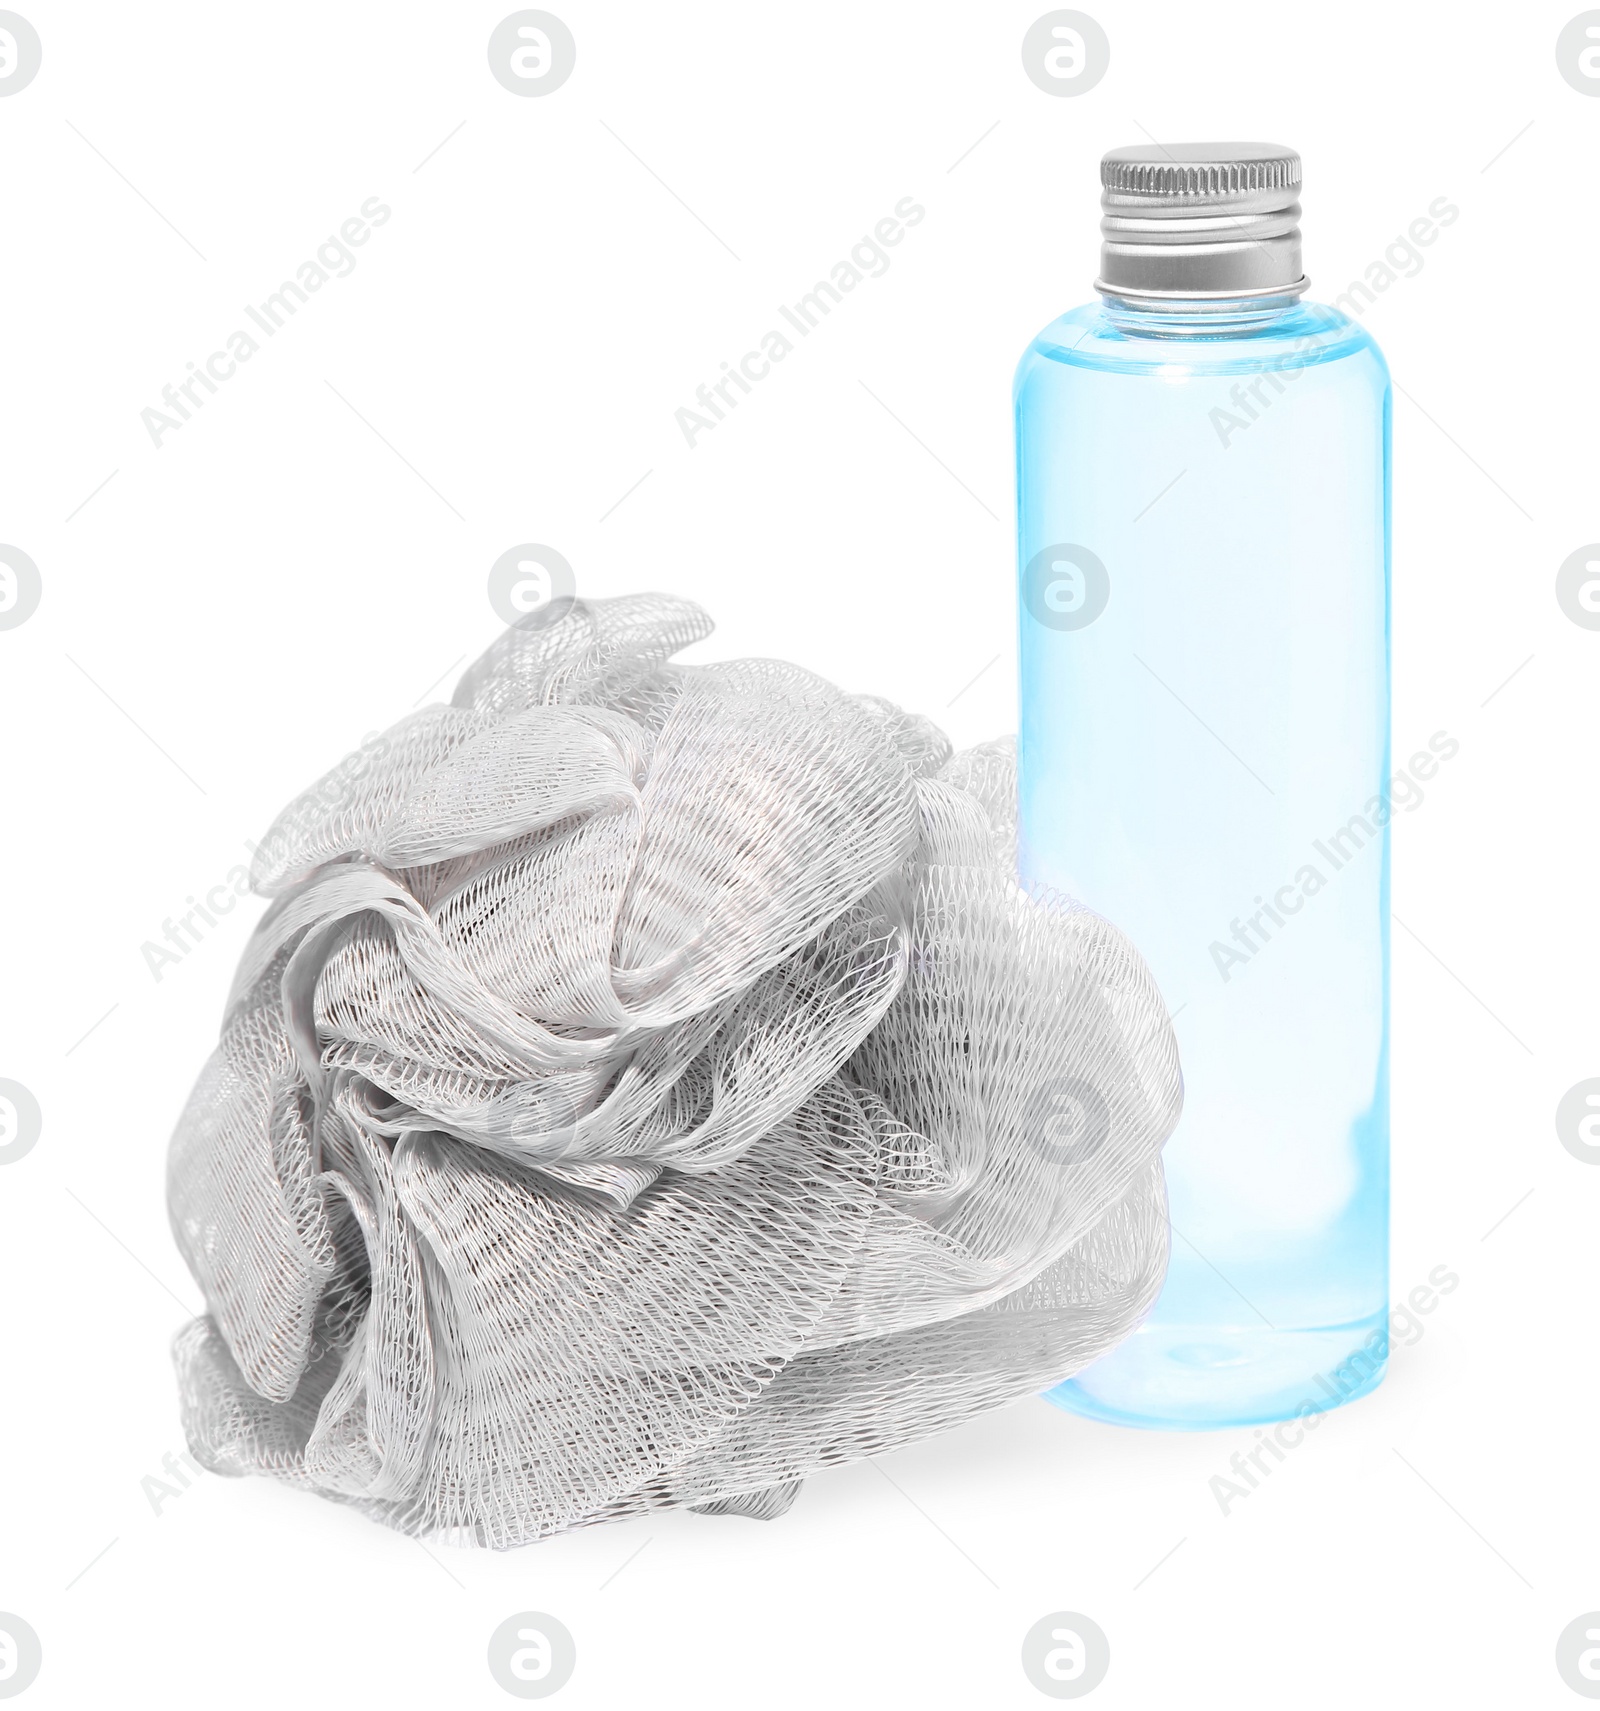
<point>647,1086</point>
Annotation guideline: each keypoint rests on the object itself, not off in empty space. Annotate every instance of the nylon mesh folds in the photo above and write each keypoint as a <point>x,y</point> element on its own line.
<point>646,1086</point>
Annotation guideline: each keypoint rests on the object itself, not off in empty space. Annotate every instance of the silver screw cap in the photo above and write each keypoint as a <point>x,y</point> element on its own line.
<point>1199,221</point>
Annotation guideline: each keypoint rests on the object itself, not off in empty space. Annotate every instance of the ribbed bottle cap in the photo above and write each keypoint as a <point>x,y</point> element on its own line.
<point>1200,220</point>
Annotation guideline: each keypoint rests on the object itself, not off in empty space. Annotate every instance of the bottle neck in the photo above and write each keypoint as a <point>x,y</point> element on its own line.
<point>1207,317</point>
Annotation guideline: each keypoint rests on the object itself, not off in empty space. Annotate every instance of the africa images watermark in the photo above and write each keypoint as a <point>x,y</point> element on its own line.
<point>1402,253</point>
<point>335,259</point>
<point>1404,1326</point>
<point>190,929</point>
<point>180,1470</point>
<point>1252,934</point>
<point>1401,259</point>
<point>868,259</point>
<point>334,790</point>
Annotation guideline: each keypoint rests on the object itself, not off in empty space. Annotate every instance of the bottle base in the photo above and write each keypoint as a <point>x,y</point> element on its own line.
<point>1194,1378</point>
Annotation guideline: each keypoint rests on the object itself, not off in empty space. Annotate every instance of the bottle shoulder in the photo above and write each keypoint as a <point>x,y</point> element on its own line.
<point>1304,334</point>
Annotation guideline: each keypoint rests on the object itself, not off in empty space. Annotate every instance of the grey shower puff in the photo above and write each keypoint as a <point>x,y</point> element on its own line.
<point>646,1086</point>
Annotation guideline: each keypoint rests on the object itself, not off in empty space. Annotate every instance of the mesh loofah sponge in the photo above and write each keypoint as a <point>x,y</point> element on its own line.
<point>647,1086</point>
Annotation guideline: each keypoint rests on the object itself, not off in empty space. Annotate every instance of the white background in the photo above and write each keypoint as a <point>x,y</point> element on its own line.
<point>230,613</point>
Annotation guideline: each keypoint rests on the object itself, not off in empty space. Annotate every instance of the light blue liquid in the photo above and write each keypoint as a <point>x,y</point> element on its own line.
<point>1210,751</point>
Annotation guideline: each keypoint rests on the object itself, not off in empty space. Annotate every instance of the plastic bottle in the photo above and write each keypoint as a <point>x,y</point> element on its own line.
<point>1203,533</point>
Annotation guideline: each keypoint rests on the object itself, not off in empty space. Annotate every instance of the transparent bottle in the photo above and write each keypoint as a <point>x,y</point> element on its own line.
<point>1203,532</point>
